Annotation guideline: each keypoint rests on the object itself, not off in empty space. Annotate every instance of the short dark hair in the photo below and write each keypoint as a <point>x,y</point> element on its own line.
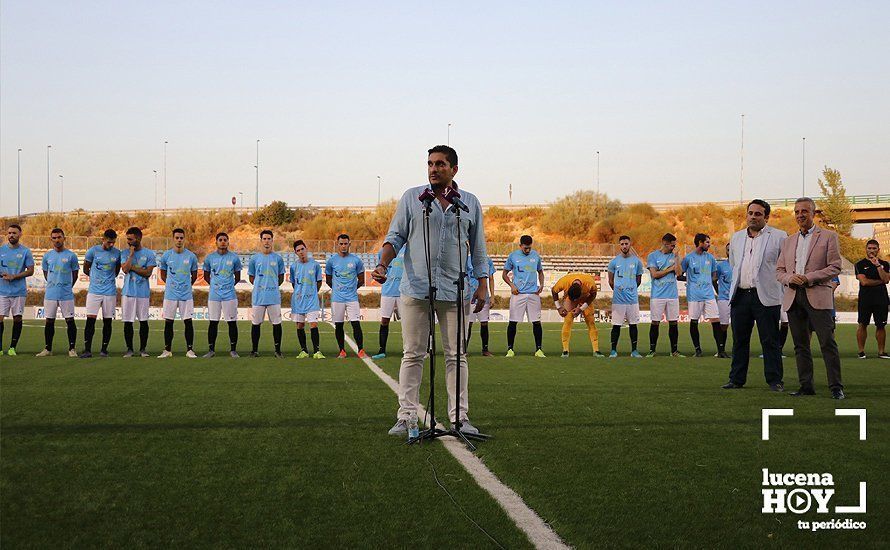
<point>450,154</point>
<point>873,241</point>
<point>669,238</point>
<point>266,232</point>
<point>221,234</point>
<point>298,242</point>
<point>343,236</point>
<point>762,203</point>
<point>526,240</point>
<point>574,291</point>
<point>15,226</point>
<point>110,234</point>
<point>57,230</point>
<point>135,231</point>
<point>179,230</point>
<point>623,237</point>
<point>700,238</point>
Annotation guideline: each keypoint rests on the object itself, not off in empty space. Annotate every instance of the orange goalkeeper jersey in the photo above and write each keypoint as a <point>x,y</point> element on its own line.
<point>588,284</point>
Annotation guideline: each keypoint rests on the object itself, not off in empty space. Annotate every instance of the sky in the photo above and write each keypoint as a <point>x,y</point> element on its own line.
<point>339,93</point>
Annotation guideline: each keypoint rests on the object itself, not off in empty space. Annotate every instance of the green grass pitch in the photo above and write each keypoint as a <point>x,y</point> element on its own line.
<point>262,452</point>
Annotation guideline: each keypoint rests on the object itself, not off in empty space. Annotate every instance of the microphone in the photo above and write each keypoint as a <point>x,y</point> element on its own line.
<point>427,197</point>
<point>453,196</point>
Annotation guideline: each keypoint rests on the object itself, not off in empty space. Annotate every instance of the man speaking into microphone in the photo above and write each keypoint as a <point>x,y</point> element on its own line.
<point>407,230</point>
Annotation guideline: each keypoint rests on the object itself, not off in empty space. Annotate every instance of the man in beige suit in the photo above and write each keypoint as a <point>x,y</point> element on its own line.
<point>809,259</point>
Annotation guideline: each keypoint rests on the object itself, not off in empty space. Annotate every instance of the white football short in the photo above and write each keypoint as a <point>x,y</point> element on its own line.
<point>97,302</point>
<point>12,306</point>
<point>134,309</point>
<point>664,309</point>
<point>311,317</point>
<point>525,305</point>
<point>483,315</point>
<point>388,305</point>
<point>186,309</point>
<point>258,313</point>
<point>225,310</point>
<point>783,316</point>
<point>723,310</point>
<point>706,310</point>
<point>349,311</point>
<point>51,307</point>
<point>625,312</point>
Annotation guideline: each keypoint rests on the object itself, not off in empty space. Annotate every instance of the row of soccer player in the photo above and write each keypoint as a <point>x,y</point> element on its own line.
<point>178,267</point>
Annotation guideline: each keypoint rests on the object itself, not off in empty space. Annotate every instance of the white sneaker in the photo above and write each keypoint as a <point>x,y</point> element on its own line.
<point>165,354</point>
<point>191,354</point>
<point>468,428</point>
<point>44,353</point>
<point>72,353</point>
<point>400,427</point>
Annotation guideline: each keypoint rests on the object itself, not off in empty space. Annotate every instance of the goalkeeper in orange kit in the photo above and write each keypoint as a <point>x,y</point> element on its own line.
<point>579,292</point>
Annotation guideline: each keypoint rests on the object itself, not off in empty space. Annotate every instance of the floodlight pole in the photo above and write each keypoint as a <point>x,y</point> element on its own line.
<point>48,147</point>
<point>18,212</point>
<point>742,171</point>
<point>803,170</point>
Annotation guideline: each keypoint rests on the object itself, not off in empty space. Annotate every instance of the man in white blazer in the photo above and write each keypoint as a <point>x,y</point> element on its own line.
<point>756,296</point>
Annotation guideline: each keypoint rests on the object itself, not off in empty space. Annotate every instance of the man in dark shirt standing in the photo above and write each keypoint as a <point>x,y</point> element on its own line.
<point>873,275</point>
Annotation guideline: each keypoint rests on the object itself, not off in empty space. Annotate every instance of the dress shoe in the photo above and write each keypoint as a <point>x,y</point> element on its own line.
<point>777,387</point>
<point>802,392</point>
<point>731,386</point>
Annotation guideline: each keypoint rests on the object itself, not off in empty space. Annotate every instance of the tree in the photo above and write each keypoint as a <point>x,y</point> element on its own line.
<point>834,205</point>
<point>575,216</point>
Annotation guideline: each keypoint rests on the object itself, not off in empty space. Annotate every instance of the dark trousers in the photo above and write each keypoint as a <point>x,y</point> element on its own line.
<point>803,320</point>
<point>747,310</point>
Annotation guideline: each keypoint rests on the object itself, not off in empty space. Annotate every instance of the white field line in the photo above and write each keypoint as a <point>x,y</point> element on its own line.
<point>538,532</point>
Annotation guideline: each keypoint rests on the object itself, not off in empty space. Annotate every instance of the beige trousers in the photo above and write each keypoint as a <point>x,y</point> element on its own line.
<point>415,336</point>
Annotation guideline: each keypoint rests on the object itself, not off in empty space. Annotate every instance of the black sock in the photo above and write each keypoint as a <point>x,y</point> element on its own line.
<point>189,333</point>
<point>616,332</point>
<point>313,333</point>
<point>168,334</point>
<point>358,335</point>
<point>233,334</point>
<point>49,330</point>
<point>693,331</point>
<point>88,332</point>
<point>143,335</point>
<point>72,333</point>
<point>511,334</point>
<point>212,330</point>
<point>632,330</point>
<point>255,337</point>
<point>384,336</point>
<point>653,336</point>
<point>106,333</point>
<point>301,336</point>
<point>783,335</point>
<point>276,337</point>
<point>338,334</point>
<point>718,336</point>
<point>469,332</point>
<point>128,335</point>
<point>483,332</point>
<point>1,335</point>
<point>538,331</point>
<point>16,332</point>
<point>673,334</point>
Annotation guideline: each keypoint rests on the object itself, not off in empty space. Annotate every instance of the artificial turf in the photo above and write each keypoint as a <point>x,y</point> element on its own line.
<point>265,452</point>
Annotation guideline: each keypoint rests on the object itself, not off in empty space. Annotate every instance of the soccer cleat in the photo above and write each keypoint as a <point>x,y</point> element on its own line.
<point>234,354</point>
<point>72,353</point>
<point>486,353</point>
<point>731,386</point>
<point>44,353</point>
<point>838,394</point>
<point>598,354</point>
<point>143,353</point>
<point>209,354</point>
<point>103,353</point>
<point>564,354</point>
<point>165,354</point>
<point>11,352</point>
<point>510,353</point>
<point>129,353</point>
<point>362,354</point>
<point>862,355</point>
<point>635,353</point>
<point>613,354</point>
<point>278,355</point>
<point>86,355</point>
<point>777,387</point>
<point>677,354</point>
<point>723,355</point>
<point>380,355</point>
<point>318,355</point>
<point>400,427</point>
<point>342,354</point>
<point>191,354</point>
<point>303,354</point>
<point>254,354</point>
<point>698,353</point>
<point>884,355</point>
<point>651,354</point>
<point>540,353</point>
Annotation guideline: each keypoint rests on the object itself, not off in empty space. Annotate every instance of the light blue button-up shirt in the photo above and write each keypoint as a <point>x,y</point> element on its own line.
<point>406,230</point>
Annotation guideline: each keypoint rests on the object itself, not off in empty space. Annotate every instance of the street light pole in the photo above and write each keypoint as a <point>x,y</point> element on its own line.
<point>378,190</point>
<point>156,188</point>
<point>448,143</point>
<point>257,166</point>
<point>803,170</point>
<point>241,195</point>
<point>48,147</point>
<point>62,193</point>
<point>597,172</point>
<point>19,179</point>
<point>742,172</point>
<point>165,174</point>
